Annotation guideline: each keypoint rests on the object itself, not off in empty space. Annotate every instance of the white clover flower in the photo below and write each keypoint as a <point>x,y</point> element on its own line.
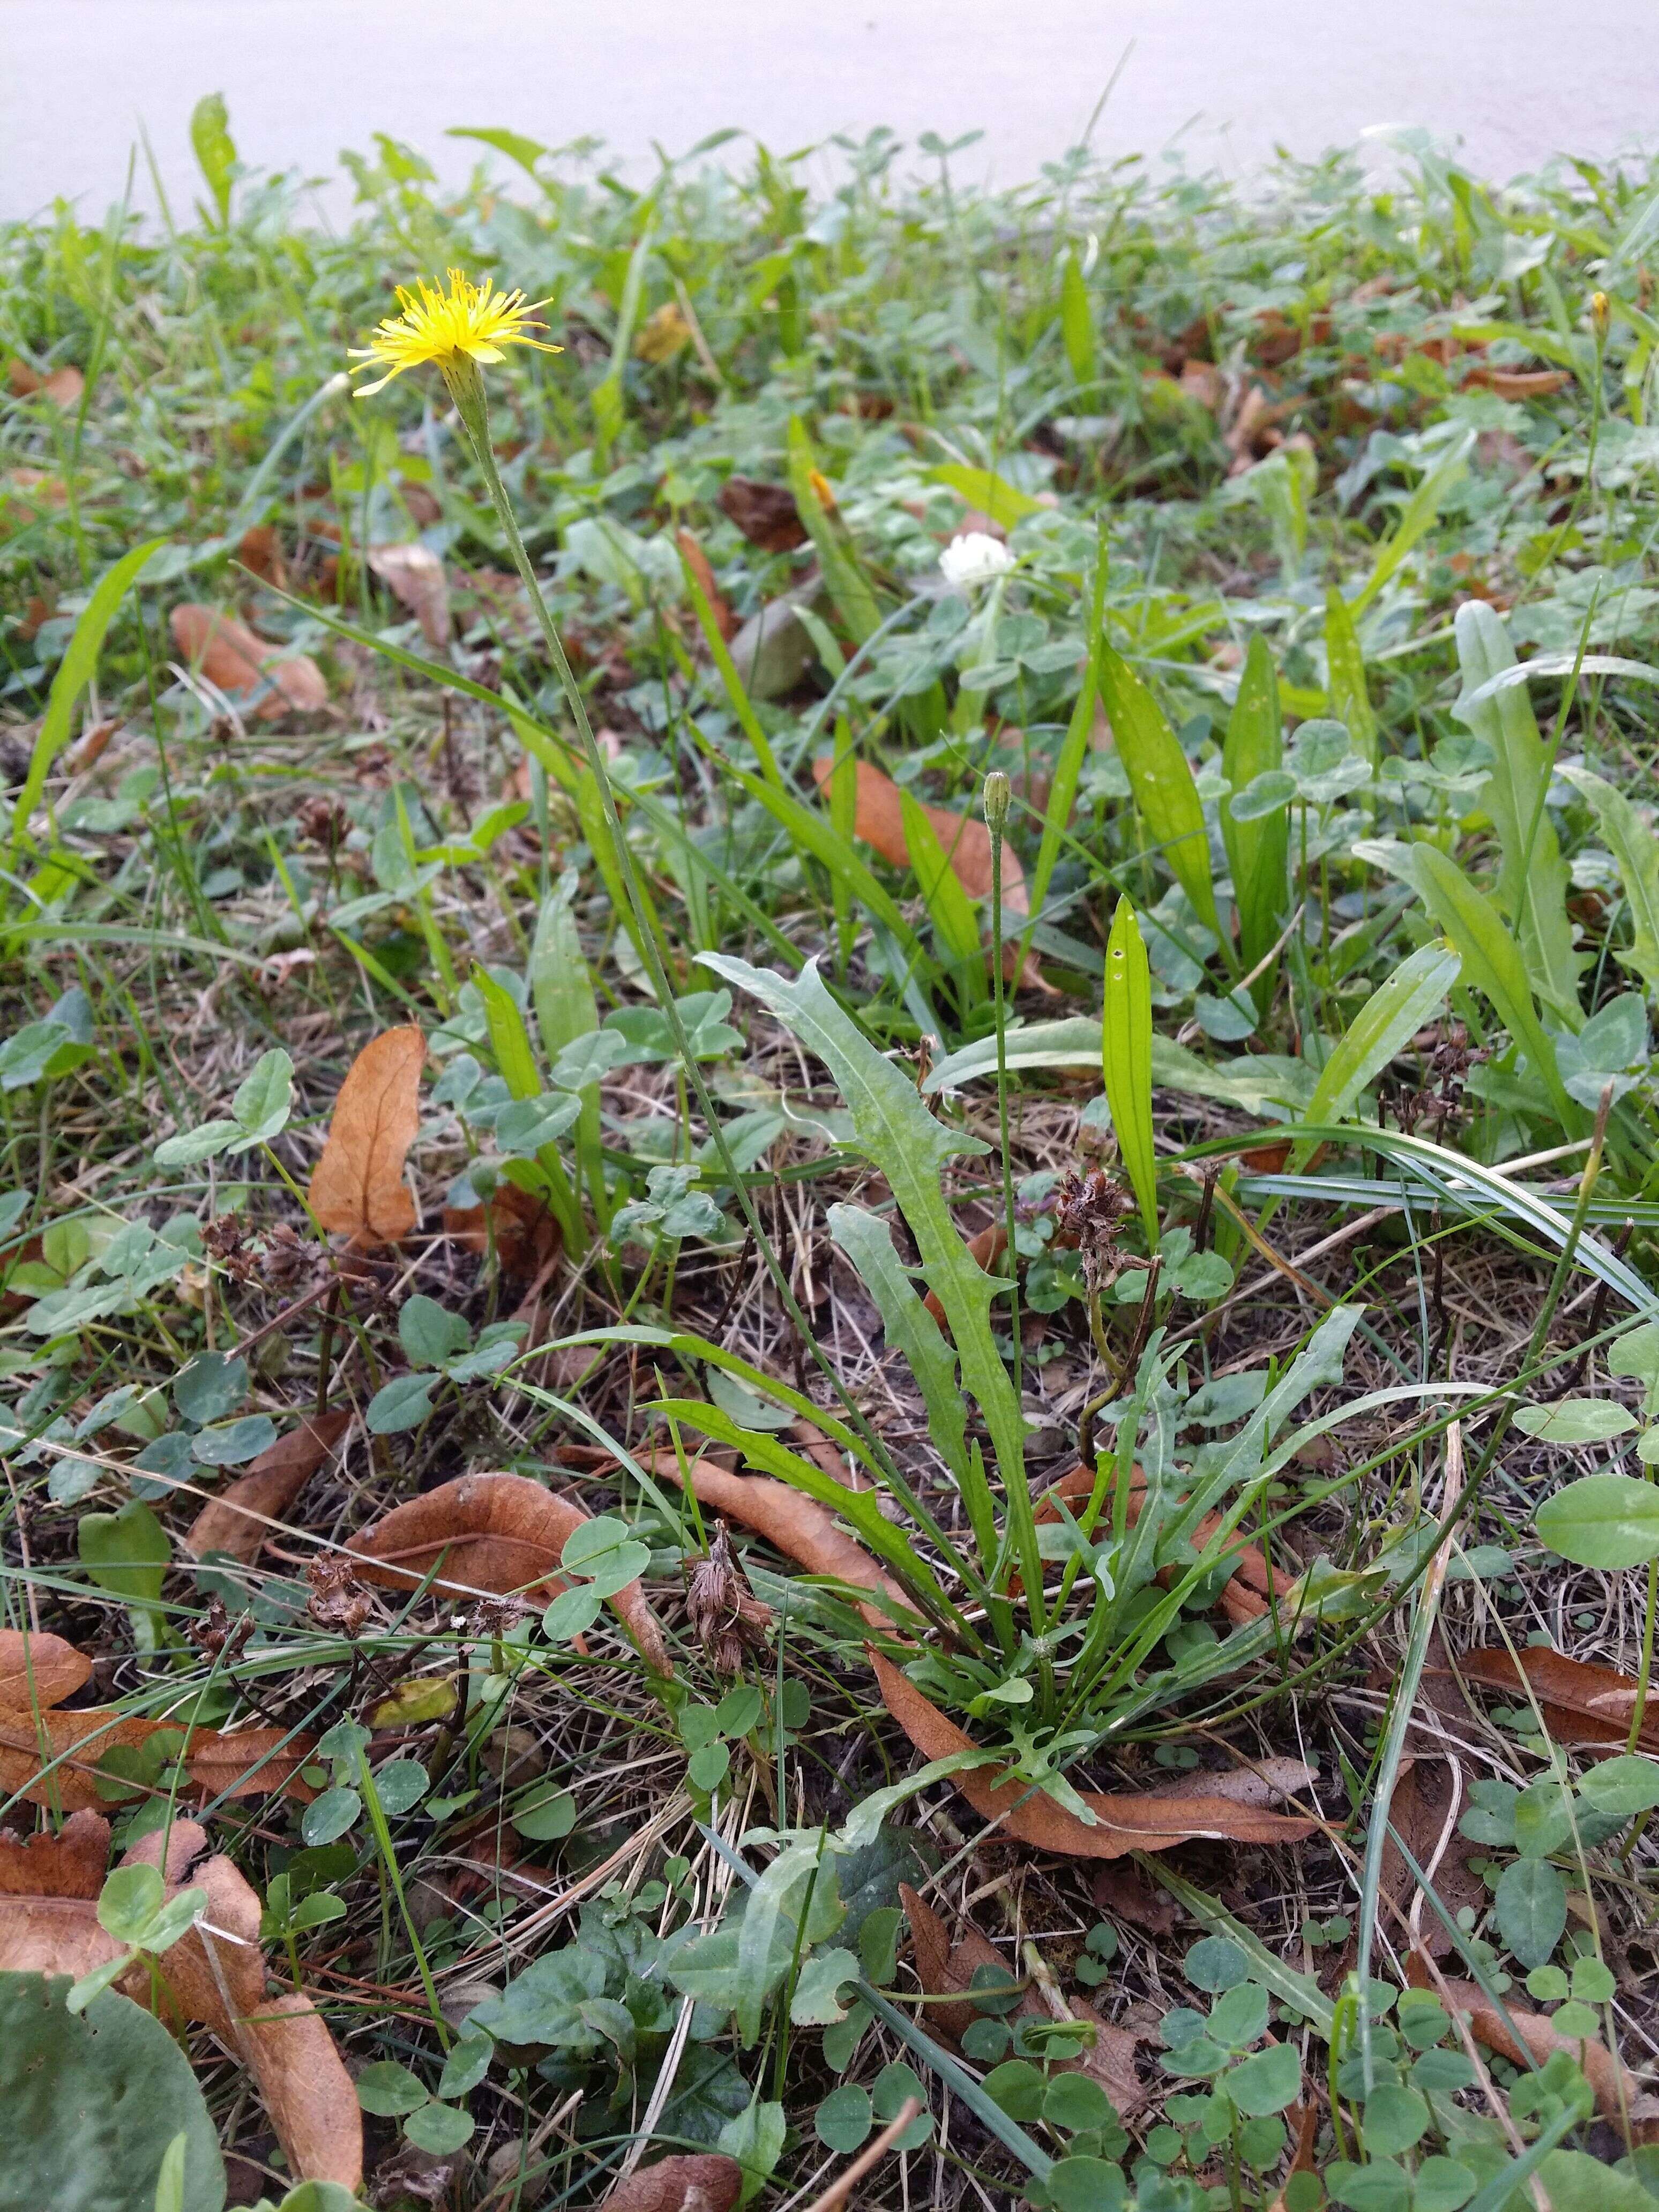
<point>974,558</point>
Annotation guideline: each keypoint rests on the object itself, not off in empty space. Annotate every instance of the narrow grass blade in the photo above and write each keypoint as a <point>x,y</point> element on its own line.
<point>868,1243</point>
<point>960,2083</point>
<point>1417,518</point>
<point>1633,845</point>
<point>1384,1025</point>
<point>1127,1055</point>
<point>955,925</point>
<point>1532,877</point>
<point>1296,1990</point>
<point>1344,665</point>
<point>74,671</point>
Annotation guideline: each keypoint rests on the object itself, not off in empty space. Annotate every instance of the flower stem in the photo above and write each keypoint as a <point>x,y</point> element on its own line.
<point>466,389</point>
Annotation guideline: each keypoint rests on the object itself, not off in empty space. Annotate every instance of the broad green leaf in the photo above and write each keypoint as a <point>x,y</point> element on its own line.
<point>1257,849</point>
<point>1622,1786</point>
<point>74,671</point>
<point>1345,665</point>
<point>1255,1083</point>
<point>214,149</point>
<point>509,1039</point>
<point>92,2104</point>
<point>1127,1056</point>
<point>755,2139</point>
<point>1068,770</point>
<point>1604,1521</point>
<point>910,1328</point>
<point>1575,1421</point>
<point>1162,781</point>
<point>126,1552</point>
<point>191,1146</point>
<point>1532,877</point>
<point>1409,996</point>
<point>526,152</point>
<point>261,1102</point>
<point>988,493</point>
<point>1630,838</point>
<point>1531,1903</point>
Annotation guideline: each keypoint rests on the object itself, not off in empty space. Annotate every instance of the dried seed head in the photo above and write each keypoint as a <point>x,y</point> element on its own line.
<point>338,1601</point>
<point>727,1616</point>
<point>1088,1212</point>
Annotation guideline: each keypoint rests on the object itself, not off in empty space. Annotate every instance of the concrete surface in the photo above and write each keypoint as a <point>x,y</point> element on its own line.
<point>1518,79</point>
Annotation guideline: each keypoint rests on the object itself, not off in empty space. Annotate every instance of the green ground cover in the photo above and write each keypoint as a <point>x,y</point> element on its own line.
<point>829,1230</point>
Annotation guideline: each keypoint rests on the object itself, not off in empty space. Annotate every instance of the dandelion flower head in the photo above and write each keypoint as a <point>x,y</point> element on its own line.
<point>469,322</point>
<point>974,558</point>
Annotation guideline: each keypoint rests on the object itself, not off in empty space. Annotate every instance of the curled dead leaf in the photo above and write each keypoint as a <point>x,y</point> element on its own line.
<point>1588,1707</point>
<point>269,1487</point>
<point>703,2181</point>
<point>248,670</point>
<point>766,513</point>
<point>1533,2040</point>
<point>985,1248</point>
<point>963,839</point>
<point>358,1188</point>
<point>215,1974</point>
<point>259,549</point>
<point>943,1968</point>
<point>526,1236</point>
<point>414,575</point>
<point>1516,383</point>
<point>63,387</point>
<point>500,1534</point>
<point>51,1758</point>
<point>806,1531</point>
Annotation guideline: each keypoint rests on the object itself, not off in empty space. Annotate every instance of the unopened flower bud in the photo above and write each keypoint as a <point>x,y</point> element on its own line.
<point>1600,315</point>
<point>996,801</point>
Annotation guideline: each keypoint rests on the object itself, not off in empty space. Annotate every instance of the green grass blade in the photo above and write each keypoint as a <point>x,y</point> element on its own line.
<point>74,671</point>
<point>1162,781</point>
<point>1258,851</point>
<point>1384,1025</point>
<point>1077,322</point>
<point>868,1243</point>
<point>895,1131</point>
<point>1417,518</point>
<point>726,668</point>
<point>1344,665</point>
<point>1493,962</point>
<point>1533,878</point>
<point>1127,1056</point>
<point>956,924</point>
<point>1632,844</point>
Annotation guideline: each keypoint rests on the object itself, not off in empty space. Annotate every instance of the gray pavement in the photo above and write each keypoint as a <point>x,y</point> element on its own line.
<point>1517,80</point>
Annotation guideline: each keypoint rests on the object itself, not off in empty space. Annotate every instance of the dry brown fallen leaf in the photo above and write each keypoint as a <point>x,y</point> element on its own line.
<point>63,387</point>
<point>1517,383</point>
<point>259,549</point>
<point>414,575</point>
<point>526,1234</point>
<point>37,1672</point>
<point>358,1187</point>
<point>943,1968</point>
<point>985,1248</point>
<point>215,1974</point>
<point>231,657</point>
<point>963,839</point>
<point>269,1486</point>
<point>1586,1707</point>
<point>1537,2040</point>
<point>703,2181</point>
<point>766,513</point>
<point>1124,1822</point>
<point>500,1533</point>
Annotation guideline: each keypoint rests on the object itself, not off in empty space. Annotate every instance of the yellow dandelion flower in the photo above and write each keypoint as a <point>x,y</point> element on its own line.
<point>469,323</point>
